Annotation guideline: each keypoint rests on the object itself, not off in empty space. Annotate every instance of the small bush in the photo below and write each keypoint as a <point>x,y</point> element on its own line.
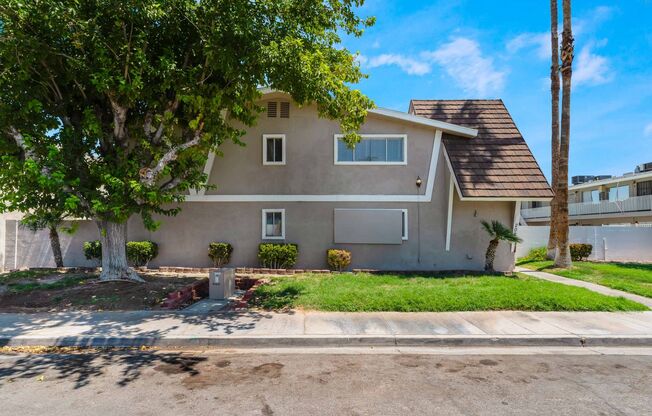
<point>140,253</point>
<point>338,259</point>
<point>277,255</point>
<point>220,253</point>
<point>580,252</point>
<point>536,254</point>
<point>93,250</point>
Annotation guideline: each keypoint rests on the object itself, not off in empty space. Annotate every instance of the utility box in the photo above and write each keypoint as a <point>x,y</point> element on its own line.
<point>221,283</point>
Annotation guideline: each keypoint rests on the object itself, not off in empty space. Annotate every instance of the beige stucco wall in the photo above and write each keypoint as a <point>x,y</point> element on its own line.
<point>310,167</point>
<point>184,239</point>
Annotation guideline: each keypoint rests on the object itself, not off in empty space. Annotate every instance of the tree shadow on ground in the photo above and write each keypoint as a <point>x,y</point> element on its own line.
<point>82,368</point>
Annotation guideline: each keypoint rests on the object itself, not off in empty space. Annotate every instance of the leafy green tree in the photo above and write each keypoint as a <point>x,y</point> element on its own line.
<point>498,232</point>
<point>39,198</point>
<point>117,103</point>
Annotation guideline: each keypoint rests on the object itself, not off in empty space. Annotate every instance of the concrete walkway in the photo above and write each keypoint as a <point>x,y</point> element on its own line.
<point>320,329</point>
<point>588,285</point>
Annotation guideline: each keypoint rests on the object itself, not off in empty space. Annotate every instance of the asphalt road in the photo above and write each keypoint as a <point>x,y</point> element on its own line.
<point>175,383</point>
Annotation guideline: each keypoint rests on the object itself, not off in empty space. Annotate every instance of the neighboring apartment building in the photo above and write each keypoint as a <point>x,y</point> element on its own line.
<point>295,181</point>
<point>603,200</point>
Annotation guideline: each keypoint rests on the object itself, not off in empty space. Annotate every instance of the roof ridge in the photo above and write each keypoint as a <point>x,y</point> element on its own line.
<point>457,99</point>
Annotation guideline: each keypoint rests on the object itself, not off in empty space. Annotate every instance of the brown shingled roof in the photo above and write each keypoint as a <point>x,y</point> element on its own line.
<point>496,163</point>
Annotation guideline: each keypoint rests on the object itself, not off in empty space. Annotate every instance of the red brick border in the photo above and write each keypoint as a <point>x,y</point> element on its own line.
<point>243,303</point>
<point>184,296</point>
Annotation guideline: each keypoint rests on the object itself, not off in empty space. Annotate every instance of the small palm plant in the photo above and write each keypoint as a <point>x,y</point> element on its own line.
<point>498,232</point>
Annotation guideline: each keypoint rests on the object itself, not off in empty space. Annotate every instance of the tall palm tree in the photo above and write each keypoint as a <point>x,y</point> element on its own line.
<point>562,256</point>
<point>498,232</point>
<point>554,89</point>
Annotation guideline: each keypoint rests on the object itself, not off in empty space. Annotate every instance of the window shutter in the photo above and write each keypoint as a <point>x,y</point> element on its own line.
<point>285,109</point>
<point>271,108</point>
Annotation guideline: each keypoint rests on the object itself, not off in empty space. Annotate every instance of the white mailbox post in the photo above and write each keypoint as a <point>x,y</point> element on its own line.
<point>221,283</point>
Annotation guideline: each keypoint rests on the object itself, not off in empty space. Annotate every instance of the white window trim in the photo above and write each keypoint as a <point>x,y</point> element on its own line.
<point>404,237</point>
<point>372,136</point>
<point>273,136</point>
<point>264,222</point>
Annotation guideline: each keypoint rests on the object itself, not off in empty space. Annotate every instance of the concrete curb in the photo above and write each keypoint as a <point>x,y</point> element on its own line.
<point>270,341</point>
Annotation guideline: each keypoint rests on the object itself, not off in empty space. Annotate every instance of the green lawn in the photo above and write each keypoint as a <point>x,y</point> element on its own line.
<point>366,293</point>
<point>629,277</point>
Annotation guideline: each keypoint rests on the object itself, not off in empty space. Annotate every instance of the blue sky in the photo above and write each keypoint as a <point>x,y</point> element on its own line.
<point>500,49</point>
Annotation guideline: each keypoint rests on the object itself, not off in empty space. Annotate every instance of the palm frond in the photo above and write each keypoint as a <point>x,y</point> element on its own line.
<point>498,230</point>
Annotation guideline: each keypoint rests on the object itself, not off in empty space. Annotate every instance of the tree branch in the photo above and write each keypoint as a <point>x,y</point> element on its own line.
<point>172,108</point>
<point>119,119</point>
<point>148,175</point>
<point>29,153</point>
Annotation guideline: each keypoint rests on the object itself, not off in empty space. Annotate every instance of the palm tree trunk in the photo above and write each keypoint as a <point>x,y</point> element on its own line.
<point>554,89</point>
<point>55,244</point>
<point>562,258</point>
<point>490,256</point>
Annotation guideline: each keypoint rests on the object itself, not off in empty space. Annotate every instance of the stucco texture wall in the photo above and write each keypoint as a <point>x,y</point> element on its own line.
<point>184,239</point>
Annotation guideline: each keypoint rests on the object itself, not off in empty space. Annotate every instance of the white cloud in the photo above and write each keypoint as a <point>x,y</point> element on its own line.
<point>463,61</point>
<point>408,65</point>
<point>539,41</point>
<point>647,131</point>
<point>591,69</point>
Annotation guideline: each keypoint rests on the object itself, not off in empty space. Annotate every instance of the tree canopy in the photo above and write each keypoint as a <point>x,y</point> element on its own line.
<point>115,104</point>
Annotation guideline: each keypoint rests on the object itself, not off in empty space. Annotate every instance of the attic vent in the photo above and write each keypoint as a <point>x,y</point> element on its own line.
<point>271,108</point>
<point>285,109</point>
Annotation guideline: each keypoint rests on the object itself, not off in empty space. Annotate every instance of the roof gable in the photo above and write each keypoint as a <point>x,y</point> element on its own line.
<point>497,163</point>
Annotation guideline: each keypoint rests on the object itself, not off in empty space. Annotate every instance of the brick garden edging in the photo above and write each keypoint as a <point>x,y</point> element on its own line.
<point>183,296</point>
<point>243,303</point>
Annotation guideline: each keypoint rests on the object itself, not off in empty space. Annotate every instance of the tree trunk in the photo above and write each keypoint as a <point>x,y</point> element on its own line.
<point>490,256</point>
<point>56,246</point>
<point>554,89</point>
<point>113,237</point>
<point>562,258</point>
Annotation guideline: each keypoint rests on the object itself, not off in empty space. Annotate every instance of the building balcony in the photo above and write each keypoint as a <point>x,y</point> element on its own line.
<point>634,206</point>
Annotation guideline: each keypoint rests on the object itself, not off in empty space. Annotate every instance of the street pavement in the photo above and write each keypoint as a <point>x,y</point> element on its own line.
<point>579,381</point>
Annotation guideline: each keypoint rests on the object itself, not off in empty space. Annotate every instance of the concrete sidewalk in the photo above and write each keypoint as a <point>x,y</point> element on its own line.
<point>320,329</point>
<point>587,285</point>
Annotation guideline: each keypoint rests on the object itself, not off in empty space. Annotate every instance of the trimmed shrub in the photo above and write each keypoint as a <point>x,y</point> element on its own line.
<point>220,253</point>
<point>536,254</point>
<point>140,253</point>
<point>93,250</point>
<point>580,252</point>
<point>278,255</point>
<point>338,259</point>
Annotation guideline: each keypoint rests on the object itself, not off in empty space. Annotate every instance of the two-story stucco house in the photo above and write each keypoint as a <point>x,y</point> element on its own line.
<point>409,196</point>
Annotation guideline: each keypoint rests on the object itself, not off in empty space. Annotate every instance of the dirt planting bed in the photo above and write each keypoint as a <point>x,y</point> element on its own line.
<point>56,291</point>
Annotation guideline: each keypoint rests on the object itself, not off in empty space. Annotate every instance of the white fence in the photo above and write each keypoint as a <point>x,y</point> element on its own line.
<point>609,243</point>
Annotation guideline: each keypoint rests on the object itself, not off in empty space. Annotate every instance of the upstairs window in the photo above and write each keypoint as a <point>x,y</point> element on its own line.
<point>273,149</point>
<point>373,149</point>
<point>591,196</point>
<point>618,193</point>
<point>644,188</point>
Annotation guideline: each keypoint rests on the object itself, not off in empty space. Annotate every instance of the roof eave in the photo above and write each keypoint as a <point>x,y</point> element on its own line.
<point>399,115</point>
<point>441,125</point>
